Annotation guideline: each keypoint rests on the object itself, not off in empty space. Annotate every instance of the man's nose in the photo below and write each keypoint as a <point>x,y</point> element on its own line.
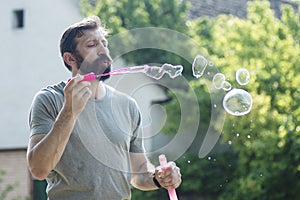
<point>102,49</point>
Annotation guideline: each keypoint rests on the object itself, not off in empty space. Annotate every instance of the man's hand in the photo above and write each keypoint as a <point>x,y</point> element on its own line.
<point>77,93</point>
<point>169,177</point>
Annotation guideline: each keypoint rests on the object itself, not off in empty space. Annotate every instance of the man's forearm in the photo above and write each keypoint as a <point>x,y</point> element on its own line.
<point>142,176</point>
<point>144,181</point>
<point>43,155</point>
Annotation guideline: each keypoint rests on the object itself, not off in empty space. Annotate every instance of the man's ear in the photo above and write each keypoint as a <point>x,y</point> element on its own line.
<point>70,59</point>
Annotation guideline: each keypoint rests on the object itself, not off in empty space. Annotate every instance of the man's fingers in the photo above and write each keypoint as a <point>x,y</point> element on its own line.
<point>85,93</point>
<point>169,177</point>
<point>72,83</point>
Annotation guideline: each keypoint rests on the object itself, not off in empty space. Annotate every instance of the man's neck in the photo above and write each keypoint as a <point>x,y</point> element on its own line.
<point>98,89</point>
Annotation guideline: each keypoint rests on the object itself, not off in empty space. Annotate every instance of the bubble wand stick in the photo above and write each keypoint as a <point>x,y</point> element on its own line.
<point>163,163</point>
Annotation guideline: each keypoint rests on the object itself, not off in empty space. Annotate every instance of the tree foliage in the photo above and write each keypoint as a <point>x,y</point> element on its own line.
<point>265,143</point>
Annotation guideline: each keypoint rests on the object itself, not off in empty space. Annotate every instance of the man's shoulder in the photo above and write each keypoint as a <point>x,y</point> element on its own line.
<point>50,92</point>
<point>55,88</point>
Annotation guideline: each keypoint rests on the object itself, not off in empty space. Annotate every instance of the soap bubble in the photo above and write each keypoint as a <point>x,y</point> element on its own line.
<point>199,65</point>
<point>152,71</point>
<point>242,76</point>
<point>172,70</point>
<point>157,72</point>
<point>237,102</point>
<point>226,86</point>
<point>218,80</point>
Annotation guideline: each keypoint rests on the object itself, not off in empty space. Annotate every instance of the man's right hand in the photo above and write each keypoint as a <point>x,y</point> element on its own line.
<point>77,94</point>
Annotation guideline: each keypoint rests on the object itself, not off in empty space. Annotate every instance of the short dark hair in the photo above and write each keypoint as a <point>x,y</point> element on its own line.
<point>68,42</point>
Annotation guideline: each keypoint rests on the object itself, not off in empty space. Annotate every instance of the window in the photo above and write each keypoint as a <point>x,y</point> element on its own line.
<point>18,19</point>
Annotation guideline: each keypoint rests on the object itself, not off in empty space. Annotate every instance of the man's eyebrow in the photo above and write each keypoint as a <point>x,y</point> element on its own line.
<point>89,40</point>
<point>94,39</point>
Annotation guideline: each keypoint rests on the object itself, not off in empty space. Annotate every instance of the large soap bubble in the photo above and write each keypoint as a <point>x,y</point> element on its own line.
<point>237,102</point>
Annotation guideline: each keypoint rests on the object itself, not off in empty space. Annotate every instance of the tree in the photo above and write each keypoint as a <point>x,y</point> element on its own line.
<point>262,146</point>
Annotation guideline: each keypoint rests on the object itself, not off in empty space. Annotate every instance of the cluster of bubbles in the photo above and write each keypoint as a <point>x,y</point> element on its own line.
<point>236,102</point>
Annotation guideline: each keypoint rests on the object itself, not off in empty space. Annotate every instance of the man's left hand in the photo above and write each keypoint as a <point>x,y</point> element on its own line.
<point>169,177</point>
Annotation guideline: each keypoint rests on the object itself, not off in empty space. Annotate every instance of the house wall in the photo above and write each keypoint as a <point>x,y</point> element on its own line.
<point>13,163</point>
<point>29,60</point>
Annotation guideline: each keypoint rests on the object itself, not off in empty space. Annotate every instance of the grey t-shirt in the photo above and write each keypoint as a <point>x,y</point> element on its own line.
<point>95,163</point>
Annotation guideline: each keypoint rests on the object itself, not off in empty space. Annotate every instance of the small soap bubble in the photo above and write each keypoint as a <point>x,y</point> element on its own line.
<point>226,86</point>
<point>199,65</point>
<point>211,63</point>
<point>218,80</point>
<point>237,102</point>
<point>230,142</point>
<point>242,76</point>
<point>189,161</point>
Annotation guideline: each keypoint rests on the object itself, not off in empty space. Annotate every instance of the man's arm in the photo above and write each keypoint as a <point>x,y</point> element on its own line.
<point>143,172</point>
<point>45,150</point>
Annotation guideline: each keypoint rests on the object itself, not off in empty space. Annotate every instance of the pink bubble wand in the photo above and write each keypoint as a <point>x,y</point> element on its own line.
<point>163,163</point>
<point>128,70</point>
<point>151,71</point>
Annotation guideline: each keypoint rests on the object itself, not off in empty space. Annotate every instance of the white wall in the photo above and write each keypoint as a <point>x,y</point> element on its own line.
<point>29,60</point>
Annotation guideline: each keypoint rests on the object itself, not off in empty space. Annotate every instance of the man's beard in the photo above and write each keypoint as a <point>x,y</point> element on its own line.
<point>101,65</point>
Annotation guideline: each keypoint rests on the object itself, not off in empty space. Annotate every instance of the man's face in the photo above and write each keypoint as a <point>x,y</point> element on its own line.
<point>92,53</point>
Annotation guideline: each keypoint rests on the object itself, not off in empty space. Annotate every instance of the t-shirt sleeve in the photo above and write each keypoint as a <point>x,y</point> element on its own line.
<point>136,143</point>
<point>42,114</point>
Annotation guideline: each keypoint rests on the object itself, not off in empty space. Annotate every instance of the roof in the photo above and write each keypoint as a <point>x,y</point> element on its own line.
<point>213,8</point>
